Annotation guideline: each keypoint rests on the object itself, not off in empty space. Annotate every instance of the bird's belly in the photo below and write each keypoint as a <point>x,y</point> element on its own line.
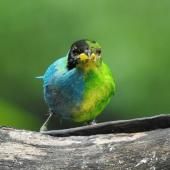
<point>75,104</point>
<point>93,102</point>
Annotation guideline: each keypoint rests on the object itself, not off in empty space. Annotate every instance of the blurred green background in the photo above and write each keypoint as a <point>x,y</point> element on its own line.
<point>135,36</point>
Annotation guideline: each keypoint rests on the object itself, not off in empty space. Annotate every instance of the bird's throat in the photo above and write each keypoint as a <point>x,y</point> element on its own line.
<point>88,66</point>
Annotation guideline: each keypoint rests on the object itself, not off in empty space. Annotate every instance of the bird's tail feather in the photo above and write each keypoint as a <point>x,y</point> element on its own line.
<point>39,77</point>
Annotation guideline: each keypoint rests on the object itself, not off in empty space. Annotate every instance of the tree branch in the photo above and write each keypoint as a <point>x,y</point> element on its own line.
<point>144,146</point>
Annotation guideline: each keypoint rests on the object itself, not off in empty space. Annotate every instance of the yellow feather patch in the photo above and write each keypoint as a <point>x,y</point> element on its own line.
<point>99,87</point>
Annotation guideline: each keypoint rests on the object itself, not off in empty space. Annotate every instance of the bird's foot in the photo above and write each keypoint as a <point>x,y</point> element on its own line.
<point>93,122</point>
<point>43,128</point>
<point>45,124</point>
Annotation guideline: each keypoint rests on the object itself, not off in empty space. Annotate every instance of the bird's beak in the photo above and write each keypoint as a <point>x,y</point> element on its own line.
<point>84,57</point>
<point>93,57</point>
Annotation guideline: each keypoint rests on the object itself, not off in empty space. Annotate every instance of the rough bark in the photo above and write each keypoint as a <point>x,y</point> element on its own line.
<point>144,148</point>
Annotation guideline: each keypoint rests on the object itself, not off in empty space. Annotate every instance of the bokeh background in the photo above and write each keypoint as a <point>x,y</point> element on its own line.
<point>135,36</point>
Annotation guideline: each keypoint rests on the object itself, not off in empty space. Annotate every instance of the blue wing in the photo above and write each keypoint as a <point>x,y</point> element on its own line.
<point>56,69</point>
<point>63,88</point>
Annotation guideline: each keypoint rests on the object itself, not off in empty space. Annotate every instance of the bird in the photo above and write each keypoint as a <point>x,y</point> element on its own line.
<point>78,86</point>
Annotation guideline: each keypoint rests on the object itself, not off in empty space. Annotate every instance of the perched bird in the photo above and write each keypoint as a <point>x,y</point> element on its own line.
<point>79,85</point>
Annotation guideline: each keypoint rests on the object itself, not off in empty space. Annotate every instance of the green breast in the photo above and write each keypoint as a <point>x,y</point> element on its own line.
<point>99,87</point>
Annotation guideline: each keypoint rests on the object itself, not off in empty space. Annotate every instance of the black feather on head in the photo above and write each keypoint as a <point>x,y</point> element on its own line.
<point>76,49</point>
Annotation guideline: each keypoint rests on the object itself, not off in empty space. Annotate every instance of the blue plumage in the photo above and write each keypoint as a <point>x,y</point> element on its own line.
<point>63,89</point>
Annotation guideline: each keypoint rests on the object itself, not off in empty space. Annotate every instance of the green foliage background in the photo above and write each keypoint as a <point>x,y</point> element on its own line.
<point>135,36</point>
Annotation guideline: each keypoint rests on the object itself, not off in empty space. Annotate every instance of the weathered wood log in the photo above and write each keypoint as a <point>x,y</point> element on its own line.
<point>147,147</point>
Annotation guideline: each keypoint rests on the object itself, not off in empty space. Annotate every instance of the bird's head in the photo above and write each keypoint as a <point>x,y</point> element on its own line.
<point>84,54</point>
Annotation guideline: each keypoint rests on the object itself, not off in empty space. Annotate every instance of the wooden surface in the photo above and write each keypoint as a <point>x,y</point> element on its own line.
<point>20,149</point>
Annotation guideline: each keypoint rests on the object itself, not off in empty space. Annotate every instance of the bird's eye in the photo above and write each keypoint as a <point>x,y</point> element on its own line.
<point>98,51</point>
<point>75,51</point>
